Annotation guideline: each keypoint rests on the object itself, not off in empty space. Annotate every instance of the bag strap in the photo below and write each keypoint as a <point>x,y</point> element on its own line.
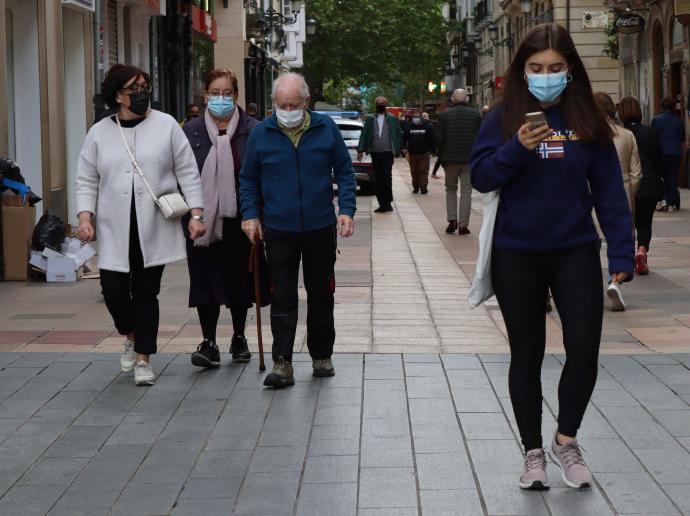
<point>135,163</point>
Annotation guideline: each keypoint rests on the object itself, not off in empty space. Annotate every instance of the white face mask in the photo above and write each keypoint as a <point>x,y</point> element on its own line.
<point>290,119</point>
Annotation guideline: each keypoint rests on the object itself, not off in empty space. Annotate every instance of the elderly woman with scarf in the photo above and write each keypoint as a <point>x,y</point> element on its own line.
<point>218,262</point>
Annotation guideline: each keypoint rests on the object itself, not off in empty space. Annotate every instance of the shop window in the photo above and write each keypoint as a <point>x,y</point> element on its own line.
<point>676,34</point>
<point>630,80</point>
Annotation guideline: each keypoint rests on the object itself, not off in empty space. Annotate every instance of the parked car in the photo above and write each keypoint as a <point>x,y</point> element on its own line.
<point>364,171</point>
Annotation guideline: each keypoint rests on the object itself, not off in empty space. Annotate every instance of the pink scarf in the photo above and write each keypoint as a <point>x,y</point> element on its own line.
<point>218,181</point>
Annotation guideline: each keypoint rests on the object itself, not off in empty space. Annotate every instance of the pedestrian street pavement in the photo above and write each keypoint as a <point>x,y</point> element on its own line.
<point>390,434</point>
<point>416,421</point>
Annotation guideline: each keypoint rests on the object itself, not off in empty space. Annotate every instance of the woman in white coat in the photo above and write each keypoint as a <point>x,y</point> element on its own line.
<point>135,240</point>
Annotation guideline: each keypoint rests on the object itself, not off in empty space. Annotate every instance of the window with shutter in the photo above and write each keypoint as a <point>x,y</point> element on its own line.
<point>112,32</point>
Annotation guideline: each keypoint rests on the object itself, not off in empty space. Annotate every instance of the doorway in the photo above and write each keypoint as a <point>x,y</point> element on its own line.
<point>658,64</point>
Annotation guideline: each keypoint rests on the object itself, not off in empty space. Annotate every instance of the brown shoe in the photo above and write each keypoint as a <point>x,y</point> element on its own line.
<point>463,231</point>
<point>452,226</point>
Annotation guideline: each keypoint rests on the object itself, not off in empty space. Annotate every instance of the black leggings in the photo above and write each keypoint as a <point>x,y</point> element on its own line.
<point>208,318</point>
<point>644,213</point>
<point>521,281</point>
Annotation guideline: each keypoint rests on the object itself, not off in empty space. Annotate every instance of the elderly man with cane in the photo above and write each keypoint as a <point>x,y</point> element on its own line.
<point>286,197</point>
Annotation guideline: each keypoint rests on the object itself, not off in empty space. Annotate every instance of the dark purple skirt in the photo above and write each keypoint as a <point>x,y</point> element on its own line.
<point>219,274</point>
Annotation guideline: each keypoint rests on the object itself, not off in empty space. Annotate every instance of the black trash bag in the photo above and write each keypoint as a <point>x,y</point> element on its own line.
<point>10,170</point>
<point>49,232</point>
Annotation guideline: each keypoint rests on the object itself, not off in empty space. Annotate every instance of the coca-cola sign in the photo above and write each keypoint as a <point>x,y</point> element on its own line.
<point>629,23</point>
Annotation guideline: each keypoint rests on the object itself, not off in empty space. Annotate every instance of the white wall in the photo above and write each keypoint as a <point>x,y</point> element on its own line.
<point>75,92</point>
<point>137,44</point>
<point>27,92</point>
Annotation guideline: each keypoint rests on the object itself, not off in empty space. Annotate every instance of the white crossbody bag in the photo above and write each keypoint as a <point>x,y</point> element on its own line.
<point>172,205</point>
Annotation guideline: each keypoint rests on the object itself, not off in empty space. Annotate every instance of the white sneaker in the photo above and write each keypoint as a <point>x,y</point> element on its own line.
<point>143,374</point>
<point>128,357</point>
<point>614,293</point>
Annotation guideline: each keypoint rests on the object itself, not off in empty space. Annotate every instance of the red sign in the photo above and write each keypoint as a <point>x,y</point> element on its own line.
<point>498,83</point>
<point>204,23</point>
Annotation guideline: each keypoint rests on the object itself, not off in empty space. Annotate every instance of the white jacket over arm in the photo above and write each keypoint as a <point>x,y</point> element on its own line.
<point>106,182</point>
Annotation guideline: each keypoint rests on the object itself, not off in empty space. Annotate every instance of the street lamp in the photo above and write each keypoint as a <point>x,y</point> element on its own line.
<point>271,16</point>
<point>311,26</point>
<point>493,33</point>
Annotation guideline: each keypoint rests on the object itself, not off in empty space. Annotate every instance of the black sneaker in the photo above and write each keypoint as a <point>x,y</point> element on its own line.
<point>240,350</point>
<point>452,227</point>
<point>283,374</point>
<point>206,355</point>
<point>380,209</point>
<point>415,190</point>
<point>424,191</point>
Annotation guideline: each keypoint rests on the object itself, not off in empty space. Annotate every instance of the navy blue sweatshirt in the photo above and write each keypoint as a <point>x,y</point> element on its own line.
<point>547,194</point>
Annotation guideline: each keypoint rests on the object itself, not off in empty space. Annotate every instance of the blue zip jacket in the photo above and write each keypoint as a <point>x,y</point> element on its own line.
<point>290,188</point>
<point>547,194</point>
<point>671,132</point>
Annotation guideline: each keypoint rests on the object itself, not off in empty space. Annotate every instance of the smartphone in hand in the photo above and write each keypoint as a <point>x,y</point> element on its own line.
<point>536,119</point>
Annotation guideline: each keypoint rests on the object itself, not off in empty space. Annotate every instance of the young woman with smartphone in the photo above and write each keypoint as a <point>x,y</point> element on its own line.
<point>550,177</point>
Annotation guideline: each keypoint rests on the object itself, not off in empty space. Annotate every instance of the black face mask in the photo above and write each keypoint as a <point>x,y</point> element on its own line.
<point>380,108</point>
<point>139,103</point>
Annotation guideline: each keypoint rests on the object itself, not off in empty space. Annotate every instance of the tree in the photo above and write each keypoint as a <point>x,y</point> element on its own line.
<point>385,45</point>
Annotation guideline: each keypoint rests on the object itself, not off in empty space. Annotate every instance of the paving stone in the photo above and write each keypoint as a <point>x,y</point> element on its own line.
<point>635,493</point>
<point>669,465</point>
<point>146,499</point>
<point>203,507</point>
<point>425,387</point>
<point>503,497</point>
<point>680,494</point>
<point>496,456</point>
<point>383,452</point>
<point>676,422</point>
<point>111,468</point>
<point>267,493</point>
<point>278,459</point>
<point>29,499</point>
<point>485,426</point>
<point>397,511</point>
<point>327,447</point>
<point>331,499</point>
<point>468,379</point>
<point>610,456</point>
<point>53,472</point>
<point>387,487</point>
<point>331,469</point>
<point>476,400</point>
<point>218,487</point>
<point>221,464</point>
<point>446,471</point>
<point>138,429</point>
<point>564,501</point>
<point>456,361</point>
<point>451,502</point>
<point>80,441</point>
<point>76,502</point>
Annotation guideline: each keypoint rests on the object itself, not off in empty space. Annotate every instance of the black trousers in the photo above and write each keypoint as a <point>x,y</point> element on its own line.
<point>132,297</point>
<point>521,282</point>
<point>644,213</point>
<point>316,250</point>
<point>383,172</point>
<point>671,167</point>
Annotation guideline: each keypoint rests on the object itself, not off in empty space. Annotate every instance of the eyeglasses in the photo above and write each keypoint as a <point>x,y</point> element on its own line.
<point>228,94</point>
<point>136,88</point>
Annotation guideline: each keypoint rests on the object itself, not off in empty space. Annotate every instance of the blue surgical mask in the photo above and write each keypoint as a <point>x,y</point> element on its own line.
<point>547,87</point>
<point>221,106</point>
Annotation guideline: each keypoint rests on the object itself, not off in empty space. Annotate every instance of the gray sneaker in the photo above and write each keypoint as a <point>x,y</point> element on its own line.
<point>323,368</point>
<point>574,470</point>
<point>128,358</point>
<point>283,374</point>
<point>143,374</point>
<point>534,475</point>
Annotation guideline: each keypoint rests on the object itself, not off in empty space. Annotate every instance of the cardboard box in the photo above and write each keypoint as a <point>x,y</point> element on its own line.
<point>61,268</point>
<point>17,226</point>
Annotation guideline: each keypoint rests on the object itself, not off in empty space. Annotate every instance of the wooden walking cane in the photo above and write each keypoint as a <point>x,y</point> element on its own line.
<point>254,267</point>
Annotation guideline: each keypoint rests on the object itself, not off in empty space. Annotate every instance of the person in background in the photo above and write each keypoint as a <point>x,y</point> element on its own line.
<point>193,111</point>
<point>381,137</point>
<point>629,159</point>
<point>651,188</point>
<point>550,241</point>
<point>253,111</point>
<point>457,128</point>
<point>671,133</point>
<point>135,241</point>
<point>286,192</point>
<point>218,262</point>
<point>418,144</point>
<point>485,111</point>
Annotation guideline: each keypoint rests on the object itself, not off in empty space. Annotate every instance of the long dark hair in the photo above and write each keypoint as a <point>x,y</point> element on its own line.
<point>579,107</point>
